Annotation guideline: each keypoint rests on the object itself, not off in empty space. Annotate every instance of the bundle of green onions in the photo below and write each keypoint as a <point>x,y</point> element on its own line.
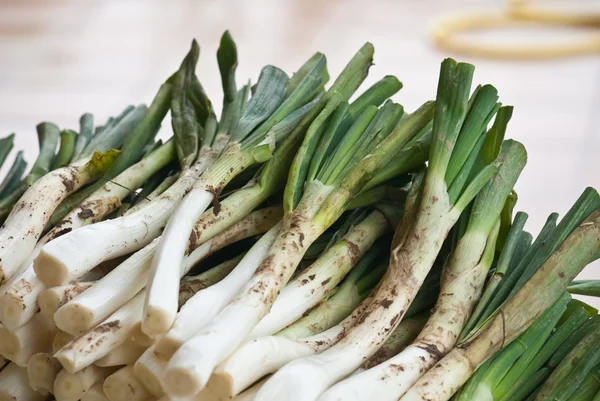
<point>306,244</point>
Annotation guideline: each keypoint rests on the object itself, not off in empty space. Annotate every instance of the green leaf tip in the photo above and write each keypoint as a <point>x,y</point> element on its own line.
<point>184,119</point>
<point>227,59</point>
<point>451,107</point>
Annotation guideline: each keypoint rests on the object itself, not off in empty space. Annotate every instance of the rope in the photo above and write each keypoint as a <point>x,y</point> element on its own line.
<point>518,12</point>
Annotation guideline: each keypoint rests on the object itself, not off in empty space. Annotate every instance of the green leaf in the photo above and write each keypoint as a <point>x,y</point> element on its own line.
<point>304,70</point>
<point>231,116</point>
<point>354,73</point>
<point>381,126</point>
<point>304,91</point>
<point>200,101</point>
<point>48,135</point>
<point>450,111</point>
<point>491,199</point>
<point>585,287</point>
<point>409,158</point>
<point>495,136</point>
<point>328,143</point>
<point>270,91</point>
<point>456,188</point>
<point>515,272</point>
<point>376,94</point>
<point>183,116</point>
<point>67,146</point>
<point>228,61</point>
<point>144,132</point>
<point>114,135</point>
<point>344,86</point>
<point>6,145</point>
<point>284,127</point>
<point>14,175</point>
<point>506,219</point>
<point>343,153</point>
<point>588,202</point>
<point>86,131</point>
<point>481,112</point>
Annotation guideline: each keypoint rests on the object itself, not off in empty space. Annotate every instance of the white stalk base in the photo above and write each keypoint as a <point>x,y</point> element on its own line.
<point>123,386</point>
<point>42,370</point>
<point>199,310</point>
<point>150,370</point>
<point>14,385</point>
<point>73,386</point>
<point>98,342</point>
<point>160,307</point>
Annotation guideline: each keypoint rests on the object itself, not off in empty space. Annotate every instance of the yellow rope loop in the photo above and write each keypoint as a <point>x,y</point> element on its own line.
<point>444,34</point>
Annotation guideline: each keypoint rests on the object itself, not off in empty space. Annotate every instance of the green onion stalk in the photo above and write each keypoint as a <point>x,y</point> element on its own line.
<point>317,281</point>
<point>18,297</point>
<point>342,148</point>
<point>124,323</point>
<point>462,282</point>
<point>488,384</point>
<point>14,188</point>
<point>136,229</point>
<point>519,369</point>
<point>129,132</point>
<point>206,304</point>
<point>250,142</point>
<point>27,219</point>
<point>585,287</point>
<point>525,264</point>
<point>446,191</point>
<point>570,375</point>
<point>306,290</point>
<point>517,313</point>
<point>131,276</point>
<point>314,332</point>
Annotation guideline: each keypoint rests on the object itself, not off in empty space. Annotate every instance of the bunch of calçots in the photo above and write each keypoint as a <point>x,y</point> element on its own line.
<point>312,242</point>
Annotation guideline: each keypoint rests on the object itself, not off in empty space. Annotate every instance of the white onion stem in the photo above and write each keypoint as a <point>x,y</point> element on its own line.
<point>42,370</point>
<point>124,386</point>
<point>206,304</point>
<point>163,285</point>
<point>149,369</point>
<point>53,298</point>
<point>18,303</point>
<point>60,340</point>
<point>120,285</point>
<point>193,363</point>
<point>125,354</point>
<point>27,219</point>
<point>14,385</point>
<point>57,264</point>
<point>73,386</point>
<point>268,354</point>
<point>102,339</point>
<point>95,393</point>
<point>318,280</point>
<point>29,339</point>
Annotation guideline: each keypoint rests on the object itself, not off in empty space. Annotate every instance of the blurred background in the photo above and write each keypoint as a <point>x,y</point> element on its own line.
<point>61,58</point>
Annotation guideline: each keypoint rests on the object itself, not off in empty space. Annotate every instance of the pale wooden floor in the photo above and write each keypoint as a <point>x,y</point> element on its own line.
<point>60,58</point>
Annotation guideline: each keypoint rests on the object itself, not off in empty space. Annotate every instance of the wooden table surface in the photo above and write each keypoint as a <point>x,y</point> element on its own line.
<point>60,58</point>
